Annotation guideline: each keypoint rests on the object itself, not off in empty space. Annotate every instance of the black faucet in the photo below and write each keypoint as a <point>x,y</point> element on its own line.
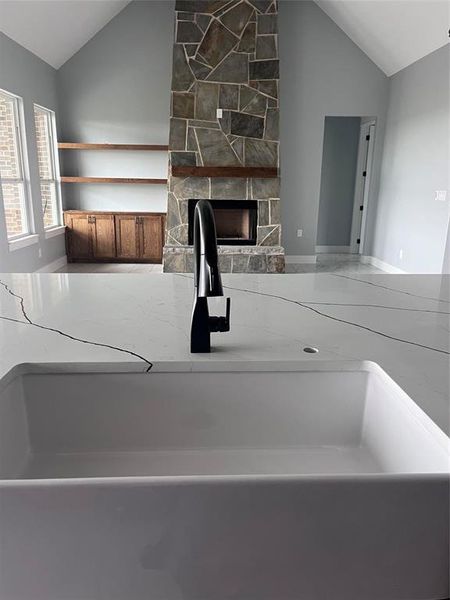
<point>207,280</point>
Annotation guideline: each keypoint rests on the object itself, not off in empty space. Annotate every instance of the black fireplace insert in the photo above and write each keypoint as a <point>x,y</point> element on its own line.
<point>235,221</point>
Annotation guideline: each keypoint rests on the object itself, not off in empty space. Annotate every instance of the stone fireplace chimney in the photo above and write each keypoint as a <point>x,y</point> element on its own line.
<point>224,139</point>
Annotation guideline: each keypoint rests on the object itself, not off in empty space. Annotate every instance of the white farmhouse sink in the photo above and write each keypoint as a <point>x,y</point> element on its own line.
<point>304,482</point>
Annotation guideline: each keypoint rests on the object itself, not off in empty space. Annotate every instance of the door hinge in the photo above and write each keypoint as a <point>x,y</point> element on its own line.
<point>364,173</point>
<point>358,241</point>
<point>361,207</point>
<point>367,137</point>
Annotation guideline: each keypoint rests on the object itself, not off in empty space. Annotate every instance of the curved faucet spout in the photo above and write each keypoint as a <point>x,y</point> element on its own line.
<point>207,279</point>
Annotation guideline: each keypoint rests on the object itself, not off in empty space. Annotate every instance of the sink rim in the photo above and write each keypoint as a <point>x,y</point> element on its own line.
<point>220,365</point>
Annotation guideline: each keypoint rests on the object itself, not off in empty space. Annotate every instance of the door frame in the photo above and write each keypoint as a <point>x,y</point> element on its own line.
<point>362,185</point>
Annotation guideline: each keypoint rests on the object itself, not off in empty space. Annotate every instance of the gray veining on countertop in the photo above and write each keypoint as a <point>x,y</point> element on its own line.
<point>399,321</point>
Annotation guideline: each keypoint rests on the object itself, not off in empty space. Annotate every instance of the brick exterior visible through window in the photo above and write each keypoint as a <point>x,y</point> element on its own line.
<point>11,167</point>
<point>43,119</point>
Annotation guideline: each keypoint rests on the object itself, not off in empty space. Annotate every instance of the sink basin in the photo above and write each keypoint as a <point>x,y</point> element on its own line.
<point>264,483</point>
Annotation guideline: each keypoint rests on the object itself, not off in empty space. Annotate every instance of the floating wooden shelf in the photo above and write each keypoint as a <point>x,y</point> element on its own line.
<point>77,146</point>
<point>112,180</point>
<point>260,172</point>
<point>76,211</point>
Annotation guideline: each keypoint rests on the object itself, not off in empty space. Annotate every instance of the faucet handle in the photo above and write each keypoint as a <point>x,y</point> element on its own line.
<point>227,315</point>
<point>221,323</point>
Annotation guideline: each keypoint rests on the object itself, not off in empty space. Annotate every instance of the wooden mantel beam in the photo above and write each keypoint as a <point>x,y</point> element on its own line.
<point>259,172</point>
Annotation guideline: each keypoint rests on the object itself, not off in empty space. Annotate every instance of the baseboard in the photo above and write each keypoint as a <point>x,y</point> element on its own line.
<point>292,259</point>
<point>333,249</point>
<point>59,263</point>
<point>380,264</point>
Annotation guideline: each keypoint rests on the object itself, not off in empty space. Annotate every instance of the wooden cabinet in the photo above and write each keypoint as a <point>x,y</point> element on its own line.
<point>127,236</point>
<point>117,237</point>
<point>139,237</point>
<point>102,231</point>
<point>150,238</point>
<point>78,238</point>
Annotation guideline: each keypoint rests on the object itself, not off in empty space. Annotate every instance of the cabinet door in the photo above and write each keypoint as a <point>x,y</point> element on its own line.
<point>127,242</point>
<point>151,238</point>
<point>103,241</point>
<point>78,236</point>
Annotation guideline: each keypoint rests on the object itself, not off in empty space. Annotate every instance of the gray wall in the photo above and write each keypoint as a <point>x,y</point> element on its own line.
<point>337,181</point>
<point>117,89</point>
<point>446,261</point>
<point>25,75</point>
<point>415,165</point>
<point>322,73</point>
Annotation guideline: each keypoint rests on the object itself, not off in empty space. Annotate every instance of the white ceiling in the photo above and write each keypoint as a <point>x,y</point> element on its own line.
<point>393,33</point>
<point>55,30</point>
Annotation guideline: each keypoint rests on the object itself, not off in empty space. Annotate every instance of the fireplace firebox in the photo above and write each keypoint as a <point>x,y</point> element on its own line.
<point>236,221</point>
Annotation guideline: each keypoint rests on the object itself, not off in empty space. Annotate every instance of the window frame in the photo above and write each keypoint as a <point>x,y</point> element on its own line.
<point>54,163</point>
<point>23,168</point>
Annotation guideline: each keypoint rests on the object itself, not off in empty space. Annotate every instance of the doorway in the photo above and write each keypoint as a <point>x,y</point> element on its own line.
<point>347,156</point>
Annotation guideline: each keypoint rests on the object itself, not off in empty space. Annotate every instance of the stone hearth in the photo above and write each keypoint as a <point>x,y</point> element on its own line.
<point>225,57</point>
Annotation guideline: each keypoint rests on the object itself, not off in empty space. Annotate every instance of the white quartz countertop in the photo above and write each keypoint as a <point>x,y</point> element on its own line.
<point>142,322</point>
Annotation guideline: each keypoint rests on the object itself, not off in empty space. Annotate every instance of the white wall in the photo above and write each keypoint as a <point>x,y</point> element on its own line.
<point>323,73</point>
<point>415,165</point>
<point>117,89</point>
<point>25,75</point>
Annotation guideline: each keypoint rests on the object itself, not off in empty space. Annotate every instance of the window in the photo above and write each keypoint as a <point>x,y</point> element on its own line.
<point>13,176</point>
<point>44,120</point>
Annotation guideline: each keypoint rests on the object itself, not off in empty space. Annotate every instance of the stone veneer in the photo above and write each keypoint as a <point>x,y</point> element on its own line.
<point>225,56</point>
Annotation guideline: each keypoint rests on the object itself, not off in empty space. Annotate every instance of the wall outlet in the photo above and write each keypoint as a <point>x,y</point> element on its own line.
<point>219,113</point>
<point>441,195</point>
<point>400,254</point>
<point>299,232</point>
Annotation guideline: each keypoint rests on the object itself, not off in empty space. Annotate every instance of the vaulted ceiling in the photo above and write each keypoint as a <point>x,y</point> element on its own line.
<point>55,30</point>
<point>393,33</point>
